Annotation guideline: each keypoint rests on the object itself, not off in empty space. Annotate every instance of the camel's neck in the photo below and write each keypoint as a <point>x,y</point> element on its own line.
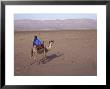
<point>50,46</point>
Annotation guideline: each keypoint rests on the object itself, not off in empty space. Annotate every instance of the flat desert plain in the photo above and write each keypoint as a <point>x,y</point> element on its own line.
<point>74,53</point>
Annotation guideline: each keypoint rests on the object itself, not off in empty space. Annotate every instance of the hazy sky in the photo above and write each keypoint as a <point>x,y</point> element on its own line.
<point>54,16</point>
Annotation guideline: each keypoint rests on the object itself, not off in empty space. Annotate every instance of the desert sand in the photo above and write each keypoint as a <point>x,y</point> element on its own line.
<point>74,53</point>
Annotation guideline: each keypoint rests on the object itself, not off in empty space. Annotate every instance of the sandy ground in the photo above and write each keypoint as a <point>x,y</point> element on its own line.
<point>74,53</point>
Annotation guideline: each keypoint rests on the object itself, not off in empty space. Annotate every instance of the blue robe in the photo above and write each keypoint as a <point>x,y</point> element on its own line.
<point>37,42</point>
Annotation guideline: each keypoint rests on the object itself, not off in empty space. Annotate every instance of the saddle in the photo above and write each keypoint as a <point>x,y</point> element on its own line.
<point>40,47</point>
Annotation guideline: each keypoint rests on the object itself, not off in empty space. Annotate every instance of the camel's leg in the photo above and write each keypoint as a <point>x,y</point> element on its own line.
<point>35,56</point>
<point>44,51</point>
<point>44,56</point>
<point>33,52</point>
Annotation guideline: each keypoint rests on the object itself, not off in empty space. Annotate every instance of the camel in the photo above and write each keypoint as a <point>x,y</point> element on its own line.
<point>35,51</point>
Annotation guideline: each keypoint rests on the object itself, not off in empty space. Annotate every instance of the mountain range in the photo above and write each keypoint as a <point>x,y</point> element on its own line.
<point>57,24</point>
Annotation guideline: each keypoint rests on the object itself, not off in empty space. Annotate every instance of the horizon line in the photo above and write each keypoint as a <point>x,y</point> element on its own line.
<point>58,19</point>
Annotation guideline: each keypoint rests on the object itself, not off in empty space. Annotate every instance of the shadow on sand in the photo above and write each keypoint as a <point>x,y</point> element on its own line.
<point>51,57</point>
<point>48,59</point>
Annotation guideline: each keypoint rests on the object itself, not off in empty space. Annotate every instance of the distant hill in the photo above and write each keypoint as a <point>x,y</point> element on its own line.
<point>29,25</point>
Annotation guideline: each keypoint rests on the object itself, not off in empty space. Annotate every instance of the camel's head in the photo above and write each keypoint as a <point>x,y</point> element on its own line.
<point>52,41</point>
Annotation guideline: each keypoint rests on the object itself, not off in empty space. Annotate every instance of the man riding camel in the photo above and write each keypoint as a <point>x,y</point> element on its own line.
<point>37,42</point>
